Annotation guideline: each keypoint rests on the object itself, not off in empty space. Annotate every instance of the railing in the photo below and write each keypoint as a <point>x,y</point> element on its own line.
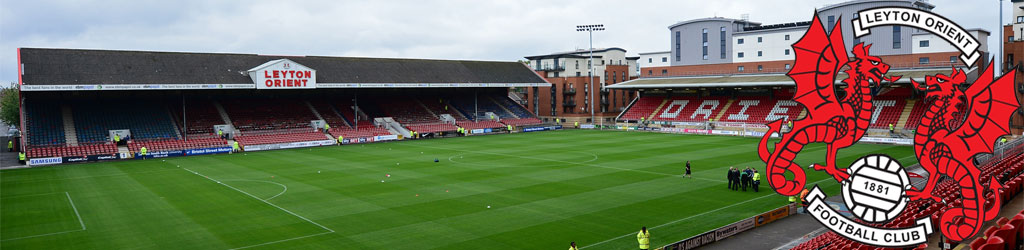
<point>569,91</point>
<point>569,104</point>
<point>754,71</point>
<point>549,68</point>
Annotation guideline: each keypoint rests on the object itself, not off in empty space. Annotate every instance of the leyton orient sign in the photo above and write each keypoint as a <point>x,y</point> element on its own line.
<point>283,74</point>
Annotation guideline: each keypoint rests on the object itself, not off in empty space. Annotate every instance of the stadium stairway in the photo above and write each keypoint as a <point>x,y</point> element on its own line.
<point>70,135</point>
<point>658,109</point>
<point>123,150</point>
<point>905,115</point>
<point>424,106</point>
<point>223,114</point>
<point>177,129</point>
<point>503,107</point>
<point>312,109</point>
<point>725,108</point>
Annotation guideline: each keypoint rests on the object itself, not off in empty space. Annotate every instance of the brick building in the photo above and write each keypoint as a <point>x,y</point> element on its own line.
<point>571,92</point>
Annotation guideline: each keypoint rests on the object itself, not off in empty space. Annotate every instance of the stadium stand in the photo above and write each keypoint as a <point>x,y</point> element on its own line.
<point>201,116</point>
<point>408,112</point>
<point>327,113</point>
<point>642,108</point>
<point>344,108</point>
<point>268,114</point>
<point>169,145</point>
<point>760,110</point>
<point>84,150</point>
<point>516,109</point>
<point>431,128</point>
<point>145,120</point>
<point>483,105</point>
<point>437,106</point>
<point>361,131</point>
<point>1009,171</point>
<point>479,125</point>
<point>45,126</point>
<point>293,136</point>
<point>684,109</point>
<point>916,114</point>
<point>522,121</point>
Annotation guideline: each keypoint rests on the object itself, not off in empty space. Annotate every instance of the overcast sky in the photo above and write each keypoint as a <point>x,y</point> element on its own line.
<point>455,29</point>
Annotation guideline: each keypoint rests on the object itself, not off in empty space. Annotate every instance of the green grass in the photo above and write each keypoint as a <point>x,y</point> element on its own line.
<point>545,189</point>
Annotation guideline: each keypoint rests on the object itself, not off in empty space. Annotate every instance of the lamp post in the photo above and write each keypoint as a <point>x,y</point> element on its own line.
<point>590,29</point>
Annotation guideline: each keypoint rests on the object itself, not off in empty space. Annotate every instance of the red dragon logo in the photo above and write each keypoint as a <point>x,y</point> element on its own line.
<point>958,125</point>
<point>838,122</point>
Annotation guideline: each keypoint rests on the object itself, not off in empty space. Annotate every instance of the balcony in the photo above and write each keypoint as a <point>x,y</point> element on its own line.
<point>569,104</point>
<point>569,91</point>
<point>549,68</point>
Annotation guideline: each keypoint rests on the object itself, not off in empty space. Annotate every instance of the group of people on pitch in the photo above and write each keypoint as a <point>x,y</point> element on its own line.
<point>741,179</point>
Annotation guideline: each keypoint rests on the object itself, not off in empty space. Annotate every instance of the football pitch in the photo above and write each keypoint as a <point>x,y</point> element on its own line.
<point>521,191</point>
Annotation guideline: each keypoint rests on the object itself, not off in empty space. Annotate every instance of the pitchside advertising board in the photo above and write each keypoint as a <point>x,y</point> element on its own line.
<point>876,188</point>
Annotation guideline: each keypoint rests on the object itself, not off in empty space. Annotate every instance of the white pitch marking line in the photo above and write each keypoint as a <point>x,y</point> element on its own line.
<point>76,210</point>
<point>62,232</point>
<point>264,201</point>
<point>271,182</point>
<point>277,241</point>
<point>692,216</point>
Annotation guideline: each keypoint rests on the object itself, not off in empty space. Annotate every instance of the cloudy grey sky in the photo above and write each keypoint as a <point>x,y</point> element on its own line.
<point>454,29</point>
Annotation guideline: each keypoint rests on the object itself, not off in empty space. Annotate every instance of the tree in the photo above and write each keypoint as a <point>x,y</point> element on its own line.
<point>9,105</point>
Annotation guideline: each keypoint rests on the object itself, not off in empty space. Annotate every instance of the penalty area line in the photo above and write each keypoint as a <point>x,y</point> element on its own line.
<point>271,204</point>
<point>72,202</point>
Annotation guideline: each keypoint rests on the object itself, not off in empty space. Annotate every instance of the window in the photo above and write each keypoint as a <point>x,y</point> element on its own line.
<point>760,53</point>
<point>614,76</point>
<point>923,43</point>
<point>740,55</point>
<point>721,43</point>
<point>924,60</point>
<point>760,39</point>
<point>856,40</point>
<point>831,22</point>
<point>740,68</point>
<point>760,67</point>
<point>677,46</point>
<point>664,72</point>
<point>787,52</point>
<point>1009,38</point>
<point>577,64</point>
<point>739,41</point>
<point>578,74</point>
<point>664,59</point>
<point>650,60</point>
<point>896,37</point>
<point>650,72</point>
<point>952,59</point>
<point>704,49</point>
<point>787,37</point>
<point>787,66</point>
<point>556,73</point>
<point>602,62</point>
<point>1020,19</point>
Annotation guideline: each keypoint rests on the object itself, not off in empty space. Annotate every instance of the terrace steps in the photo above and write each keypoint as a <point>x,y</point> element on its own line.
<point>312,109</point>
<point>70,134</point>
<point>724,109</point>
<point>503,107</point>
<point>905,115</point>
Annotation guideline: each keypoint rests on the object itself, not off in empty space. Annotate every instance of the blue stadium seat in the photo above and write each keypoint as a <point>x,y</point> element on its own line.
<point>93,120</point>
<point>45,124</point>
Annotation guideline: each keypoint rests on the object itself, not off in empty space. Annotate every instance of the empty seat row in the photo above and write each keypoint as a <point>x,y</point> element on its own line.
<point>247,140</point>
<point>145,120</point>
<point>72,151</point>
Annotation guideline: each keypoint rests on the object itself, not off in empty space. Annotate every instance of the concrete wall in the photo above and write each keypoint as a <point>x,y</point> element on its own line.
<point>774,44</point>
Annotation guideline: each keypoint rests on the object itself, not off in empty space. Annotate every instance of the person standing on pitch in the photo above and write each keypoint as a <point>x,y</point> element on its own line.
<point>757,180</point>
<point>688,170</point>
<point>644,238</point>
<point>743,179</point>
<point>10,145</point>
<point>728,176</point>
<point>572,246</point>
<point>736,179</point>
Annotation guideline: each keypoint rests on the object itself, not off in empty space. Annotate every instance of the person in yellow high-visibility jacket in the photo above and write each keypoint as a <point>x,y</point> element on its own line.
<point>509,128</point>
<point>757,180</point>
<point>576,124</point>
<point>327,127</point>
<point>10,145</point>
<point>142,152</point>
<point>21,158</point>
<point>234,147</point>
<point>117,139</point>
<point>340,139</point>
<point>572,246</point>
<point>644,238</point>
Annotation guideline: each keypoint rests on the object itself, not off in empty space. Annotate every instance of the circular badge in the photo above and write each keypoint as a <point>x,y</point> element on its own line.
<point>876,189</point>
